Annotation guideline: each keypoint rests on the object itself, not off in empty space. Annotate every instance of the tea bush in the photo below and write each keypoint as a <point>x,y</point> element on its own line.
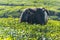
<point>11,29</point>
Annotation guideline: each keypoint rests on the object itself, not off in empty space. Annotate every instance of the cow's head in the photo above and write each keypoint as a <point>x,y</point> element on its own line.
<point>42,10</point>
<point>45,10</point>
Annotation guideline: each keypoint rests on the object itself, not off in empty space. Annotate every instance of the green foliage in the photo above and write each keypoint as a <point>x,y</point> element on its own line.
<point>11,29</point>
<point>14,8</point>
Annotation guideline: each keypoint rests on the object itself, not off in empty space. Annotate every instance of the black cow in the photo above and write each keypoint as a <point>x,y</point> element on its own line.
<point>35,16</point>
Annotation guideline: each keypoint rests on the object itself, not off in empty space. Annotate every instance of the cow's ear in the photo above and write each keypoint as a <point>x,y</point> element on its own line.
<point>47,12</point>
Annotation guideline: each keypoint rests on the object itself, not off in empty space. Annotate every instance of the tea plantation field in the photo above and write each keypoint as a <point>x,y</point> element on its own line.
<point>13,8</point>
<point>11,29</point>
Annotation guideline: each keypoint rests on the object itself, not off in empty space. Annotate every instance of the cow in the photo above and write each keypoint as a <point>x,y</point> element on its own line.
<point>35,16</point>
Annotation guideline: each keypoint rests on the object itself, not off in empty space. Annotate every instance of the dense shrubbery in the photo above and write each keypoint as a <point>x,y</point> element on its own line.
<point>11,29</point>
<point>10,8</point>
